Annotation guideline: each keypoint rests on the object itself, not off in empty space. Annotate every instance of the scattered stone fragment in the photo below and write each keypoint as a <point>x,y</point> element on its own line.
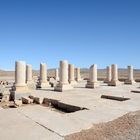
<point>46,102</point>
<point>27,100</point>
<point>31,97</point>
<point>5,98</point>
<point>18,103</point>
<point>38,100</point>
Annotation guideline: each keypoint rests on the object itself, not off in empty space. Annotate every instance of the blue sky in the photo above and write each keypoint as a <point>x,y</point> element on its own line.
<point>82,31</point>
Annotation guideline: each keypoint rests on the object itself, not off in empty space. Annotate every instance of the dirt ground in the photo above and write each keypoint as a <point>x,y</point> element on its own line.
<point>126,127</point>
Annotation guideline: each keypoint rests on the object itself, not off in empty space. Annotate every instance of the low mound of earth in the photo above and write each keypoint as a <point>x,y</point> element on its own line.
<point>126,127</point>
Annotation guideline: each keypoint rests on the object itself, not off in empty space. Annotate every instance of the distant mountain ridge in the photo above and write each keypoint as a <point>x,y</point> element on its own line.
<point>84,73</point>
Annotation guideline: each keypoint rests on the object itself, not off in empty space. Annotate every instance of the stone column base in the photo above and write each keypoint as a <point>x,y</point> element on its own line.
<point>114,83</point>
<point>63,87</point>
<point>20,89</point>
<point>17,92</point>
<point>78,80</point>
<point>73,82</point>
<point>106,81</point>
<point>43,85</point>
<point>129,82</point>
<point>92,85</point>
<point>31,85</point>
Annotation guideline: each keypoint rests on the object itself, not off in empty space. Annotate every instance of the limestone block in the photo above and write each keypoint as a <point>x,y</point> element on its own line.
<point>18,103</point>
<point>27,100</point>
<point>5,98</point>
<point>38,100</point>
<point>63,87</point>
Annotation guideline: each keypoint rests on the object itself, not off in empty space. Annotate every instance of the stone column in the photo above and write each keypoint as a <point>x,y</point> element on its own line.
<point>63,83</point>
<point>71,74</point>
<point>56,74</point>
<point>29,78</point>
<point>108,74</point>
<point>64,72</point>
<point>114,80</point>
<point>20,88</point>
<point>20,77</point>
<point>93,82</point>
<point>130,79</point>
<point>78,75</point>
<point>20,74</point>
<point>43,83</point>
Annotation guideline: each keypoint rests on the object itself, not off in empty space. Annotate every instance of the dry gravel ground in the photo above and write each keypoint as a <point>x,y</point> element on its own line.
<point>126,127</point>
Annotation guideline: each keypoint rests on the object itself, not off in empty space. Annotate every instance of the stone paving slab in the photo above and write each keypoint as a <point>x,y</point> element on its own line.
<point>16,126</point>
<point>59,123</point>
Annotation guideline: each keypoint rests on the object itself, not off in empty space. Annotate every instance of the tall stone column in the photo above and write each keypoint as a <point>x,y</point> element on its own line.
<point>29,78</point>
<point>93,82</point>
<point>114,80</point>
<point>43,83</point>
<point>20,74</point>
<point>19,88</point>
<point>78,75</point>
<point>63,83</point>
<point>56,74</point>
<point>64,72</point>
<point>108,74</point>
<point>130,79</point>
<point>71,76</point>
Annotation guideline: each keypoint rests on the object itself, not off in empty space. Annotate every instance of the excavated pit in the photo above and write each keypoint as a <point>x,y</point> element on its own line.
<point>114,98</point>
<point>135,91</point>
<point>62,107</point>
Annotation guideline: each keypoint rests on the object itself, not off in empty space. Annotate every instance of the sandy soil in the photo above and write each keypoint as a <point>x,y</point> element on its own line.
<point>126,127</point>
